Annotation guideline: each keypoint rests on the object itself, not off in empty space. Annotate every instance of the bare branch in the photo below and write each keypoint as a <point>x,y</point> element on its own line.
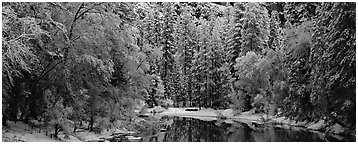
<point>74,20</point>
<point>22,36</point>
<point>78,15</point>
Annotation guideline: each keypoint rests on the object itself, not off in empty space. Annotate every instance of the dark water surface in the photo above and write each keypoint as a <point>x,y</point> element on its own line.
<point>180,129</point>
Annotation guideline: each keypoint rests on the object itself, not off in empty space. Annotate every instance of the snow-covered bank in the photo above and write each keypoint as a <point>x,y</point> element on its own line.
<point>105,135</point>
<point>248,117</point>
<point>181,112</point>
<point>20,131</point>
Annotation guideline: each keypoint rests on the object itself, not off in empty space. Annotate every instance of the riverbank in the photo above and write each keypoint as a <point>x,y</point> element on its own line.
<point>249,117</point>
<point>124,132</point>
<point>133,130</point>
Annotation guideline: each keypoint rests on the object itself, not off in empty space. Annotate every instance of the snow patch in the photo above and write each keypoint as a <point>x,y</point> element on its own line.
<point>337,129</point>
<point>228,113</point>
<point>23,132</point>
<point>317,126</point>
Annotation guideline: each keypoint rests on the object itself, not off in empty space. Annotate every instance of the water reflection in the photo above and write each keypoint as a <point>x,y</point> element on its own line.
<point>181,129</point>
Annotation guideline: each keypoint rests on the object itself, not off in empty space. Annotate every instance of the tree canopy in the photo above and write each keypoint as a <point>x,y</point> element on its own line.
<point>65,63</point>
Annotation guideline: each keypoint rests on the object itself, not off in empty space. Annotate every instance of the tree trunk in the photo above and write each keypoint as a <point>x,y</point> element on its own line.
<point>4,119</point>
<point>57,127</point>
<point>26,120</point>
<point>91,123</point>
<point>75,127</point>
<point>25,111</point>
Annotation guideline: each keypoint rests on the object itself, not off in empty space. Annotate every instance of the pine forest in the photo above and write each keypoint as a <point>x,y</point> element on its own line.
<point>178,71</point>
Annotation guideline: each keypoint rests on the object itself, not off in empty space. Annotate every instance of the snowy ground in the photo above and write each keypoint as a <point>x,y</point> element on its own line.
<point>20,131</point>
<point>211,114</point>
<point>181,112</point>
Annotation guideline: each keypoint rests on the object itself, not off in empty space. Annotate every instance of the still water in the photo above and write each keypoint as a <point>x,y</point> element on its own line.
<point>181,129</point>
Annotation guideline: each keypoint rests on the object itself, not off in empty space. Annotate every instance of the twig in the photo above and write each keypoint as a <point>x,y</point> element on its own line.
<point>78,15</point>
<point>22,36</point>
<point>74,20</point>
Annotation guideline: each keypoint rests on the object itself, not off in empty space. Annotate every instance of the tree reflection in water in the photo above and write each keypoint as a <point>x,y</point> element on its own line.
<point>181,129</point>
<point>193,130</point>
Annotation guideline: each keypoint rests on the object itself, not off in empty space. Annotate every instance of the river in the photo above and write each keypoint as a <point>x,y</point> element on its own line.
<point>181,129</point>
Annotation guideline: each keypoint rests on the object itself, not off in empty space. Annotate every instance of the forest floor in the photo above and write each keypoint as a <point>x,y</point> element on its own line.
<point>21,132</point>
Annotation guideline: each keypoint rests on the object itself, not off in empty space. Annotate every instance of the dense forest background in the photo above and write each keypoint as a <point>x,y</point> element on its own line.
<point>64,63</point>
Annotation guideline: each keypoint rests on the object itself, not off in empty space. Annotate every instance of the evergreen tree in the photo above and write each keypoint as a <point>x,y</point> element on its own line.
<point>333,62</point>
<point>235,34</point>
<point>255,29</point>
<point>167,64</point>
<point>255,36</point>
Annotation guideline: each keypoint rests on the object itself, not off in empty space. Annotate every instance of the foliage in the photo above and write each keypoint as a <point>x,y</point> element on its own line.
<point>71,62</point>
<point>333,62</point>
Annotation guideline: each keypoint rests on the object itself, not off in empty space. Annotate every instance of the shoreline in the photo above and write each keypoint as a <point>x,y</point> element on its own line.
<point>22,132</point>
<point>247,117</point>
